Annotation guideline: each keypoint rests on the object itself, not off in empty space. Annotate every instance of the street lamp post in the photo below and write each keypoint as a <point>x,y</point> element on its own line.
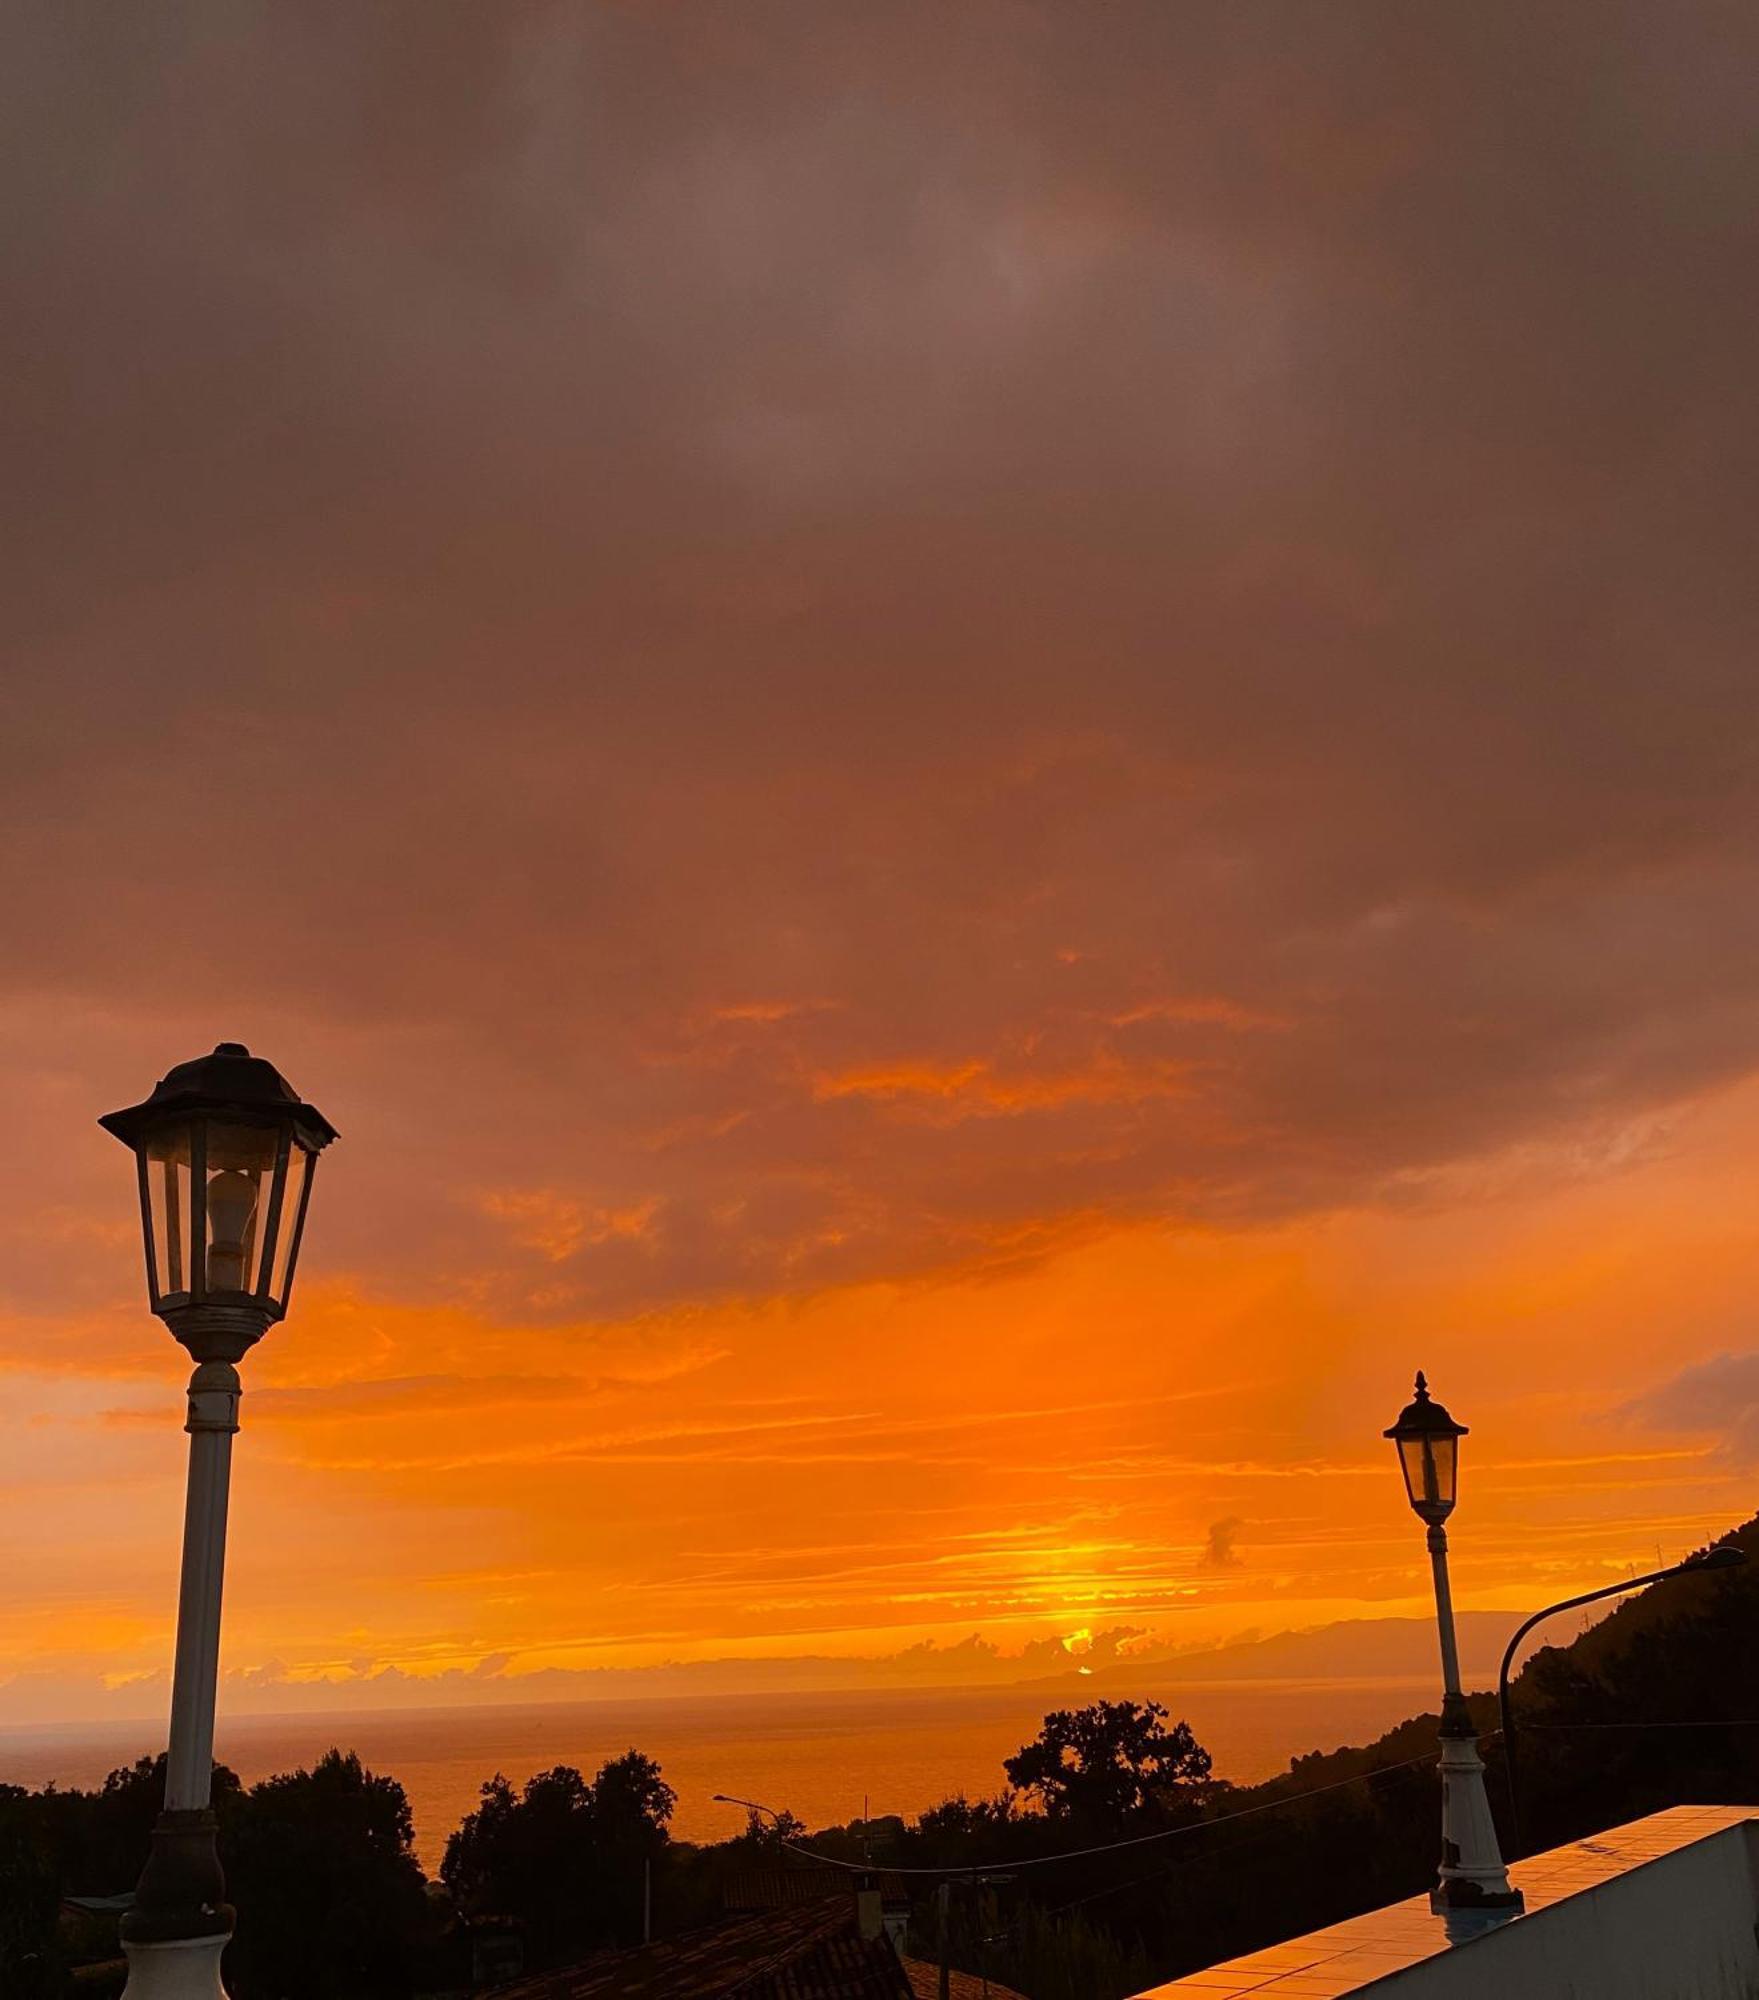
<point>224,1155</point>
<point>750,1805</point>
<point>1725,1557</point>
<point>1472,1891</point>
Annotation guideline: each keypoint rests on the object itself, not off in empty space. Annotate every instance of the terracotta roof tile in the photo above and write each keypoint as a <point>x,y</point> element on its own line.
<point>925,1984</point>
<point>816,1953</point>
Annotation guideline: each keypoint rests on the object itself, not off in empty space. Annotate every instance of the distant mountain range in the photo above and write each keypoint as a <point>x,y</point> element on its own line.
<point>1397,1649</point>
<point>1362,1650</point>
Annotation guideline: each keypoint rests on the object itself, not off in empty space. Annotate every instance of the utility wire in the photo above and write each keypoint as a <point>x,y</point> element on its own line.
<point>1734,1722</point>
<point>968,1869</point>
<point>1250,1843</point>
<point>1250,1812</point>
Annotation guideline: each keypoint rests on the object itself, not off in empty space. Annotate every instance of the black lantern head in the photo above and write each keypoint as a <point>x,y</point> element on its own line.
<point>225,1152</point>
<point>1429,1455</point>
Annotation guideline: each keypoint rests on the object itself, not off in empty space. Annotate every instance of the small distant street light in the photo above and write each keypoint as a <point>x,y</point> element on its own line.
<point>1472,1892</point>
<point>751,1805</point>
<point>1726,1557</point>
<point>754,1807</point>
<point>224,1154</point>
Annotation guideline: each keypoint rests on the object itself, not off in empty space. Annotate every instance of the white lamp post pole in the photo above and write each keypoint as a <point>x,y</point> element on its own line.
<point>213,1419</point>
<point>187,1967</point>
<point>1472,1892</point>
<point>225,1153</point>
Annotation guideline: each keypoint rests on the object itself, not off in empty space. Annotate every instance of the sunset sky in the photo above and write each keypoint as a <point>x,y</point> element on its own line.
<point>987,753</point>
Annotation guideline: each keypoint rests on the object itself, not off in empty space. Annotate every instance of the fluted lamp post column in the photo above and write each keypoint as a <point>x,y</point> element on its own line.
<point>1472,1891</point>
<point>224,1153</point>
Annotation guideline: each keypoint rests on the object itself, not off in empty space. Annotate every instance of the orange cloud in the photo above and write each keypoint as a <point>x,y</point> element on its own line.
<point>1206,1010</point>
<point>766,1013</point>
<point>559,1226</point>
<point>978,1089</point>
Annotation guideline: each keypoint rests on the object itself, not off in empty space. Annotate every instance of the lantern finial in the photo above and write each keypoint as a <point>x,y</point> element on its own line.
<point>1422,1387</point>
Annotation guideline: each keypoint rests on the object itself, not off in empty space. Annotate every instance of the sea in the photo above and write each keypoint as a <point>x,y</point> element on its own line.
<point>827,1757</point>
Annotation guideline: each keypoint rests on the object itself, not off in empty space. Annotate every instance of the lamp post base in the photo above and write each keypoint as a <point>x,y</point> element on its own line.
<point>181,1896</point>
<point>178,1969</point>
<point>1464,1921</point>
<point>1474,1893</point>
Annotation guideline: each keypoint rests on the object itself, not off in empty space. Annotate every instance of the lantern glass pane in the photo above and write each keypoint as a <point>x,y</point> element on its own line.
<point>299,1163</point>
<point>1414,1463</point>
<point>1447,1466</point>
<point>167,1155</point>
<point>240,1169</point>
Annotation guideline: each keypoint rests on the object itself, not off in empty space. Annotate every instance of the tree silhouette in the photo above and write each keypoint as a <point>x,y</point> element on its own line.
<point>770,1836</point>
<point>962,1819</point>
<point>30,1895</point>
<point>331,1899</point>
<point>103,1836</point>
<point>1110,1764</point>
<point>631,1805</point>
<point>564,1856</point>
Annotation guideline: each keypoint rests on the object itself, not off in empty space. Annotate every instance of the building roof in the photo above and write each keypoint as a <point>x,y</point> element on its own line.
<point>816,1953</point>
<point>1345,1958</point>
<point>789,1885</point>
<point>781,1888</point>
<point>925,1984</point>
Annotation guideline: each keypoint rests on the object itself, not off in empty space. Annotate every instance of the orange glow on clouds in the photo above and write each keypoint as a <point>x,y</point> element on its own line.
<point>986,757</point>
<point>865,1470</point>
<point>975,1089</point>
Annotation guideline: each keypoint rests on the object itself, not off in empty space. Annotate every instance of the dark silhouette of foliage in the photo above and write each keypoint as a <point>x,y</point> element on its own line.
<point>1111,1764</point>
<point>1647,1709</point>
<point>1049,1954</point>
<point>30,1896</point>
<point>565,1856</point>
<point>100,1838</point>
<point>321,1865</point>
<point>631,1805</point>
<point>527,1855</point>
<point>767,1837</point>
<point>962,1820</point>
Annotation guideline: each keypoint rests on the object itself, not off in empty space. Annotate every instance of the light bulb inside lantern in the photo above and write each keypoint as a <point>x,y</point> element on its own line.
<point>232,1207</point>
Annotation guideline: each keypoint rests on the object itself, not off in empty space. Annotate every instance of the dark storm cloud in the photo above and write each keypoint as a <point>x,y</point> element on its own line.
<point>786,643</point>
<point>1718,1398</point>
<point>1220,1551</point>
